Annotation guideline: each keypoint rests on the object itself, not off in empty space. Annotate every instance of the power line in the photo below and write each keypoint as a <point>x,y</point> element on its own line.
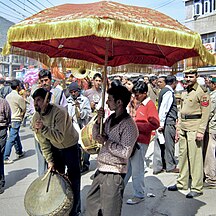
<point>20,6</point>
<point>26,6</point>
<point>50,3</point>
<point>34,5</point>
<point>13,9</point>
<point>155,5</point>
<point>165,4</point>
<point>40,4</point>
<point>10,15</point>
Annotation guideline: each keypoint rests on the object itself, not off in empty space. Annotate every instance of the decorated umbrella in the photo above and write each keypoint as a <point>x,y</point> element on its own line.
<point>106,33</point>
<point>124,34</point>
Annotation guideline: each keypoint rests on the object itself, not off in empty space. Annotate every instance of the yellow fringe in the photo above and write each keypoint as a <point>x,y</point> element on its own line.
<point>101,28</point>
<point>122,30</point>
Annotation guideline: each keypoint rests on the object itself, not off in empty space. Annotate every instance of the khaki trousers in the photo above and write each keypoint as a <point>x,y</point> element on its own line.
<point>190,162</point>
<point>105,195</point>
<point>210,160</point>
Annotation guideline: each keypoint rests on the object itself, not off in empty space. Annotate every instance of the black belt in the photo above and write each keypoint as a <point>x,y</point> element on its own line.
<point>196,116</point>
<point>121,174</point>
<point>3,127</point>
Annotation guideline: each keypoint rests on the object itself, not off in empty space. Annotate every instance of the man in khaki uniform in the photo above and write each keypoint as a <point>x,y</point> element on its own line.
<point>210,140</point>
<point>194,115</point>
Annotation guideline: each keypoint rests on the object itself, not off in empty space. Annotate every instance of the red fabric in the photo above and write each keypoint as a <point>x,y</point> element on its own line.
<point>147,120</point>
<point>90,46</point>
<point>123,52</point>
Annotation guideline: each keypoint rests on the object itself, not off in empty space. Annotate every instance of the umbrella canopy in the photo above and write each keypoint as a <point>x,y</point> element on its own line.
<point>123,33</point>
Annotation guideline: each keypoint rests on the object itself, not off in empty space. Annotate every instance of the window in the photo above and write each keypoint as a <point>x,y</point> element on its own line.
<point>197,9</point>
<point>210,6</point>
<point>206,6</point>
<point>202,7</point>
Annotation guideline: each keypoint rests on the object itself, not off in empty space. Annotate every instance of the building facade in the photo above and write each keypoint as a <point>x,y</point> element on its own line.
<point>11,64</point>
<point>201,18</point>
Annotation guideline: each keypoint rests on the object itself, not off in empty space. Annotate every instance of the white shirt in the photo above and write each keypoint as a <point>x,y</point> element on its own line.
<point>165,106</point>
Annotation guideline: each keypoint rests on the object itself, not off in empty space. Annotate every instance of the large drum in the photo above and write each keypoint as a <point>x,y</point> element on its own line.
<point>48,195</point>
<point>87,142</point>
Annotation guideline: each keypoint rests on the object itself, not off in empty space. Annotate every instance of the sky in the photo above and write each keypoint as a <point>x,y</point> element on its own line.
<point>17,10</point>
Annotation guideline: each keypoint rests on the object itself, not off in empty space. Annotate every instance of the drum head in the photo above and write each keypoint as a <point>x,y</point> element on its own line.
<point>55,199</point>
<point>87,142</point>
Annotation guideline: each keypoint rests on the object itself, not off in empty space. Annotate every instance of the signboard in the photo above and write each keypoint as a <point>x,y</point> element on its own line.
<point>20,74</point>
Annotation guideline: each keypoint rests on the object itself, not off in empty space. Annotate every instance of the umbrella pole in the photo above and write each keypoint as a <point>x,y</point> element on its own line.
<point>104,81</point>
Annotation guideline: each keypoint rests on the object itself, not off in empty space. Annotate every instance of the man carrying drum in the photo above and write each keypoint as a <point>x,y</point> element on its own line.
<point>118,140</point>
<point>58,141</point>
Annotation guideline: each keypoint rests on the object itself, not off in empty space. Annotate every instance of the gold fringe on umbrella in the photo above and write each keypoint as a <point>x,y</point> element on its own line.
<point>128,24</point>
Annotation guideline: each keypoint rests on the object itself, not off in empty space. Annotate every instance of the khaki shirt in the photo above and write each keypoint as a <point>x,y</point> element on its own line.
<point>17,105</point>
<point>212,118</point>
<point>195,102</point>
<point>58,131</point>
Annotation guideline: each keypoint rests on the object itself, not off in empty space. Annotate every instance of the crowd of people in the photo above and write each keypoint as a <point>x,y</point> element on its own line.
<point>137,111</point>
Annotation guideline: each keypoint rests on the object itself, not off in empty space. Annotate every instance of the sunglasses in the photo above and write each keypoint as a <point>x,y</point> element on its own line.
<point>189,76</point>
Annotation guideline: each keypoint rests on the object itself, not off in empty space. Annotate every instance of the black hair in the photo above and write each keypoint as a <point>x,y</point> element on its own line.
<point>170,80</point>
<point>140,87</point>
<point>2,81</point>
<point>97,75</point>
<point>120,93</point>
<point>115,82</point>
<point>45,73</point>
<point>152,78</point>
<point>163,77</point>
<point>133,80</point>
<point>41,92</point>
<point>14,83</point>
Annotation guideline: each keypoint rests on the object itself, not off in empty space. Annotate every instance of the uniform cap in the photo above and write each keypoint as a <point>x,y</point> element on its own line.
<point>190,71</point>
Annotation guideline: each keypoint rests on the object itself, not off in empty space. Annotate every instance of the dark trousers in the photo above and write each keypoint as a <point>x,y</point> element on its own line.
<point>164,155</point>
<point>3,139</point>
<point>86,156</point>
<point>105,196</point>
<point>169,154</point>
<point>70,158</point>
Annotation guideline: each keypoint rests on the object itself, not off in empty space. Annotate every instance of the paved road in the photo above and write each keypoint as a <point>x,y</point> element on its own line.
<point>21,173</point>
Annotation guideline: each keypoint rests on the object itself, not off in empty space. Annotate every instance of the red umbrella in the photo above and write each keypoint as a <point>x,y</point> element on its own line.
<point>124,34</point>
